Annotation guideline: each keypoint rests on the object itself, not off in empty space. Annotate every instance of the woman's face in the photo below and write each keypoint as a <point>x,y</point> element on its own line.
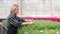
<point>16,10</point>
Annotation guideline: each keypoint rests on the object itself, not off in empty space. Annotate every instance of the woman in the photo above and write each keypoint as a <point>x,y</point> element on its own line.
<point>14,21</point>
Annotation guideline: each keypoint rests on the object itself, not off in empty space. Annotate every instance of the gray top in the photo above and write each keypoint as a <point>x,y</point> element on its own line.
<point>13,20</point>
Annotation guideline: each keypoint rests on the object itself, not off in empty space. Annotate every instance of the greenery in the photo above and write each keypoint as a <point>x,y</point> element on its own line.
<point>39,27</point>
<point>4,22</point>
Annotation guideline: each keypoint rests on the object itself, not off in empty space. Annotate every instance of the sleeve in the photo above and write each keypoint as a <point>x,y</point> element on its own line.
<point>21,19</point>
<point>14,22</point>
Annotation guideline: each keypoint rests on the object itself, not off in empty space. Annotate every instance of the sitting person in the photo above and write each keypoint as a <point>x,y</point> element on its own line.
<point>14,21</point>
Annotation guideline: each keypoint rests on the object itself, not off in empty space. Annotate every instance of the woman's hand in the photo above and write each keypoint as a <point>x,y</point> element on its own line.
<point>27,20</point>
<point>31,22</point>
<point>27,23</point>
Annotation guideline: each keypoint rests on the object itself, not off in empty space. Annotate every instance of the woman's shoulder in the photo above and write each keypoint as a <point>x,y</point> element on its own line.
<point>10,16</point>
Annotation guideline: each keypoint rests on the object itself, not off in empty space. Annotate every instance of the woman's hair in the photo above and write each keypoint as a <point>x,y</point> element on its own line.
<point>14,6</point>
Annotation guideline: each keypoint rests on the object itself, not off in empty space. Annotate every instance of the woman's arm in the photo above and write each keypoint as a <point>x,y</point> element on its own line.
<point>27,23</point>
<point>14,22</point>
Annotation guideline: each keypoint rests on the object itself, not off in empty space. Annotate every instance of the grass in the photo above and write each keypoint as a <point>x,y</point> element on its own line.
<point>39,27</point>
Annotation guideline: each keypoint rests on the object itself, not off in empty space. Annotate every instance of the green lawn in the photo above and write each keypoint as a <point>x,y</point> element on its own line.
<point>39,27</point>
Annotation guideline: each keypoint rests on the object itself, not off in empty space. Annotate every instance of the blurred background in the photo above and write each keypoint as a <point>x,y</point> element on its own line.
<point>33,8</point>
<point>37,10</point>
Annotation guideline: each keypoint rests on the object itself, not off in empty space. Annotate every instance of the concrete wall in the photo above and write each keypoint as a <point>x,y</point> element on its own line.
<point>41,8</point>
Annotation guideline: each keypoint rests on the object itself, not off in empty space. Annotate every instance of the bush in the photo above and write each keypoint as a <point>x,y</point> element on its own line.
<point>4,22</point>
<point>39,27</point>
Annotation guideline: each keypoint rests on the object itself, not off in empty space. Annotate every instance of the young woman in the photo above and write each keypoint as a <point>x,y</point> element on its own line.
<point>14,21</point>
